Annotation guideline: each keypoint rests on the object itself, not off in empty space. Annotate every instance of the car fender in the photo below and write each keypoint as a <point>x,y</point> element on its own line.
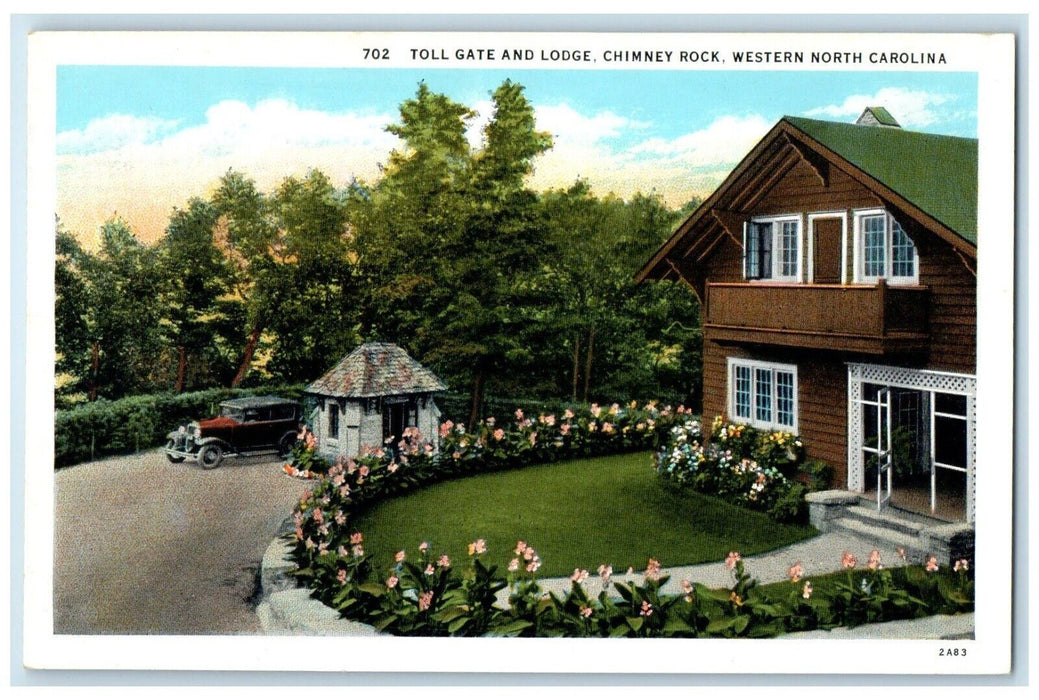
<point>224,445</point>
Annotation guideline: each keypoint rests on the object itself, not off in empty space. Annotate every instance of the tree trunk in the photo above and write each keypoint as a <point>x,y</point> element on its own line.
<point>250,348</point>
<point>95,366</point>
<point>577,366</point>
<point>477,400</point>
<point>588,362</point>
<point>182,366</point>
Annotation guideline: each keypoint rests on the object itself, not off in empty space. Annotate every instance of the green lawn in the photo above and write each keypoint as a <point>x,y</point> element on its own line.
<point>579,513</point>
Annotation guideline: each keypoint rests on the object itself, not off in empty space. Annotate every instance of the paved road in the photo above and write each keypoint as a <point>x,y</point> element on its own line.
<point>145,546</point>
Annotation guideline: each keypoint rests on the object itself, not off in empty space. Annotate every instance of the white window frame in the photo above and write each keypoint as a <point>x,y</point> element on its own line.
<point>752,420</point>
<point>860,253</point>
<point>777,223</point>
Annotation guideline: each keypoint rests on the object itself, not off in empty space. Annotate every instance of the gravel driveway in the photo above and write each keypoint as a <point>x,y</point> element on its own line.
<point>143,546</point>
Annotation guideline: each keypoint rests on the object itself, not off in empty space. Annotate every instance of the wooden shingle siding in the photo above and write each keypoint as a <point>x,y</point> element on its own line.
<point>953,318</point>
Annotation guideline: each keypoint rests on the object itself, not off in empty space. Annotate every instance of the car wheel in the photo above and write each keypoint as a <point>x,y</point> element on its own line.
<point>209,456</point>
<point>170,445</point>
<point>287,443</point>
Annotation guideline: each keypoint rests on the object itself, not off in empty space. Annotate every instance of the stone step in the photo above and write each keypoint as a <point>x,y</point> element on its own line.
<point>885,519</point>
<point>881,537</point>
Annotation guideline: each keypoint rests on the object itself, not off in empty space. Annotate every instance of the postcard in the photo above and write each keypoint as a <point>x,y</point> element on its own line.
<point>488,351</point>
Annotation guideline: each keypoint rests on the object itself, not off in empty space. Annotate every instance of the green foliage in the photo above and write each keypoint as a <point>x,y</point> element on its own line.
<point>740,464</point>
<point>102,428</point>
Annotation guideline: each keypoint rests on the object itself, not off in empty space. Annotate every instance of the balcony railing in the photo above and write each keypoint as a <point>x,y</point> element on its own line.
<point>874,319</point>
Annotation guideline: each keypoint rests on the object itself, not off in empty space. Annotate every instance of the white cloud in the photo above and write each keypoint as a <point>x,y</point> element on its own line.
<point>149,170</point>
<point>112,132</point>
<point>911,108</point>
<point>723,142</point>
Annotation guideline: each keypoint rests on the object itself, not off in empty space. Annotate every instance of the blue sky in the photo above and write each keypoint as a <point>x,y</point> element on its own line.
<point>138,140</point>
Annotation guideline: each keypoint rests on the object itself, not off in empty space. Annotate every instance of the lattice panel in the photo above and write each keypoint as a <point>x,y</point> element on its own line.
<point>856,473</point>
<point>945,382</point>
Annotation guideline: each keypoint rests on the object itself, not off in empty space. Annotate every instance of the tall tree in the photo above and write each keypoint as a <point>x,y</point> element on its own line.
<point>123,312</point>
<point>249,238</point>
<point>71,342</point>
<point>197,278</point>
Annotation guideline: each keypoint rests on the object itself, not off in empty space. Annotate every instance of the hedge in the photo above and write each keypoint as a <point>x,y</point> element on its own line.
<point>103,428</point>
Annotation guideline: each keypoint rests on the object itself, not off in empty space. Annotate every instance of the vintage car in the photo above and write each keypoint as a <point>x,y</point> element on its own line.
<point>247,425</point>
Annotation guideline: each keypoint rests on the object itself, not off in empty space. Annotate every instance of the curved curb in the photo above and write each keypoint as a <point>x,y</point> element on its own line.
<point>287,609</point>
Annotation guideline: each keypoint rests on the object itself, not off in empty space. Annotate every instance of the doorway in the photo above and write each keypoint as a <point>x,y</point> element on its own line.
<point>911,446</point>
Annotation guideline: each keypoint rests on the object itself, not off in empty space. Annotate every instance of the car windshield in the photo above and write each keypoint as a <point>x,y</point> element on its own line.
<point>231,412</point>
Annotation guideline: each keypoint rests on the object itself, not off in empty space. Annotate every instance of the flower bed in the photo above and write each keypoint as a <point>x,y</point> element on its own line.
<point>427,595</point>
<point>740,464</point>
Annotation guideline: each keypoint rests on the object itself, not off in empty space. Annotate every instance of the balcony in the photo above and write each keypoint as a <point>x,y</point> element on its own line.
<point>873,319</point>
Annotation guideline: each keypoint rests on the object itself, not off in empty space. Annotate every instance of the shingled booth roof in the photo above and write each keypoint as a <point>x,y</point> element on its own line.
<point>376,369</point>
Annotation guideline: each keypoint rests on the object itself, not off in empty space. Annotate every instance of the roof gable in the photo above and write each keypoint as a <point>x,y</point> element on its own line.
<point>934,177</point>
<point>376,369</point>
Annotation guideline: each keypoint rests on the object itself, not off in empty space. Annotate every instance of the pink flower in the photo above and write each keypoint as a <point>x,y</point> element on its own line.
<point>392,582</point>
<point>490,421</point>
<point>607,428</point>
<point>652,570</point>
<point>358,550</point>
<point>647,609</point>
<point>591,426</point>
<point>586,612</point>
<point>363,471</point>
<point>445,428</point>
<point>901,552</point>
<point>399,556</point>
<point>568,414</point>
<point>848,560</point>
<point>392,467</point>
<point>423,547</point>
<point>579,575</point>
<point>429,570</point>
<point>529,553</point>
<point>534,564</point>
<point>342,551</point>
<point>564,429</point>
<point>932,564</point>
<point>519,414</point>
<point>605,572</point>
<point>319,517</point>
<point>444,561</point>
<point>340,517</point>
<point>806,592</point>
<point>730,561</point>
<point>874,560</point>
<point>356,538</point>
<point>533,438</point>
<point>425,600</point>
<point>477,547</point>
<point>960,565</point>
<point>344,491</point>
<point>795,572</point>
<point>514,565</point>
<point>499,434</point>
<point>341,576</point>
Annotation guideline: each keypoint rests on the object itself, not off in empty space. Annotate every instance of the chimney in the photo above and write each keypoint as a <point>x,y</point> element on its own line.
<point>877,116</point>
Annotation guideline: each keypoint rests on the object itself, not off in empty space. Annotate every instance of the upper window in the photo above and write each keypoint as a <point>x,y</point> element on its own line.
<point>884,249</point>
<point>772,249</point>
<point>763,394</point>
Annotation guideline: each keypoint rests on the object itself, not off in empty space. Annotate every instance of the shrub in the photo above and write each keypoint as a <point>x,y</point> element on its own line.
<point>740,464</point>
<point>102,428</point>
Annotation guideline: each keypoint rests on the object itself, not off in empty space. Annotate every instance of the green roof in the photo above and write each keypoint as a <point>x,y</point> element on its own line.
<point>937,174</point>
